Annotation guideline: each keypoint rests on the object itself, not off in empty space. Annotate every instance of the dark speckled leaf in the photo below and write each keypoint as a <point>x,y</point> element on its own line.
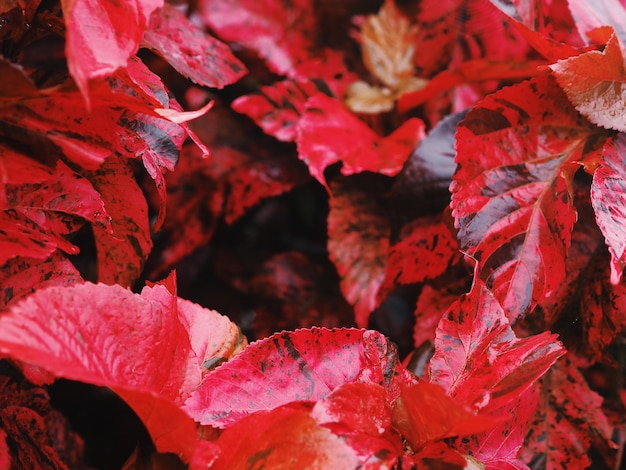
<point>608,198</point>
<point>123,250</point>
<point>194,54</point>
<point>479,360</point>
<point>517,152</point>
<point>306,364</point>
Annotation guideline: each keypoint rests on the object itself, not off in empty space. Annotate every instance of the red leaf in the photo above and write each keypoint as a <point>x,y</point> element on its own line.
<point>432,303</point>
<point>603,306</point>
<point>608,197</point>
<point>278,108</point>
<point>499,447</point>
<point>102,35</point>
<point>204,191</point>
<point>425,249</point>
<point>291,366</point>
<point>53,203</point>
<point>424,413</point>
<point>250,178</point>
<point>194,54</point>
<point>149,348</point>
<point>568,420</point>
<point>468,29</point>
<point>548,28</point>
<point>194,207</point>
<point>284,437</point>
<point>58,118</point>
<point>123,250</point>
<point>283,33</point>
<point>38,216</point>
<point>5,458</point>
<point>478,359</point>
<point>590,16</point>
<point>478,70</point>
<point>360,414</point>
<point>511,196</point>
<point>32,433</point>
<point>358,245</point>
<point>594,83</point>
<point>20,276</point>
<point>328,133</point>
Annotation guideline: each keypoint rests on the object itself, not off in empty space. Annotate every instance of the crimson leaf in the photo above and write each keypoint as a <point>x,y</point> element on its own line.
<point>284,437</point>
<point>149,348</point>
<point>568,420</point>
<point>358,245</point>
<point>328,133</point>
<point>194,54</point>
<point>498,448</point>
<point>517,151</point>
<point>102,35</point>
<point>479,360</point>
<point>305,364</point>
<point>425,249</point>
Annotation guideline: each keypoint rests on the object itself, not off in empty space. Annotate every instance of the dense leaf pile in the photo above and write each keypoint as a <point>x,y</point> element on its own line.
<point>414,211</point>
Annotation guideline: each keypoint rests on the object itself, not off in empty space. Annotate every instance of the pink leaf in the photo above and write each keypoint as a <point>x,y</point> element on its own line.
<point>149,348</point>
<point>102,35</point>
<point>193,53</point>
<point>329,133</point>
<point>284,437</point>
<point>291,366</point>
<point>479,360</point>
<point>608,197</point>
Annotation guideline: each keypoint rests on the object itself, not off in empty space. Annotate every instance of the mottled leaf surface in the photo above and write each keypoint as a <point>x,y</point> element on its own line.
<point>149,348</point>
<point>498,448</point>
<point>123,250</point>
<point>568,420</point>
<point>424,250</point>
<point>433,301</point>
<point>608,198</point>
<point>478,359</point>
<point>603,307</point>
<point>470,29</point>
<point>517,152</point>
<point>358,245</point>
<point>20,276</point>
<point>305,364</point>
<point>194,54</point>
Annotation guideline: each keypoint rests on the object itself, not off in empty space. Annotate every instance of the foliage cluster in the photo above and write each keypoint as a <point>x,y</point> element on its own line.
<point>336,177</point>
